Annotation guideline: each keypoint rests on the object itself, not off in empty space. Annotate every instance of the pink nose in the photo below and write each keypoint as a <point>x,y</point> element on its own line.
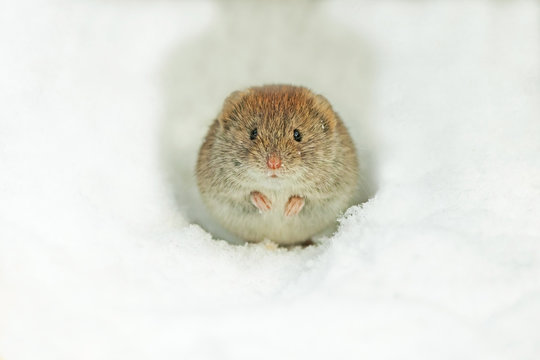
<point>274,162</point>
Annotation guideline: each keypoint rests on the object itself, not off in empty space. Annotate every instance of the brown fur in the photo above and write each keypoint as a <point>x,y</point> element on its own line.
<point>322,168</point>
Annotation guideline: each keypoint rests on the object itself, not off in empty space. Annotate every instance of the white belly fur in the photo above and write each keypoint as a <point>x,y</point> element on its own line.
<point>246,221</point>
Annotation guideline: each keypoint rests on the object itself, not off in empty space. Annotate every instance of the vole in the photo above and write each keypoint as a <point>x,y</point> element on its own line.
<point>278,164</point>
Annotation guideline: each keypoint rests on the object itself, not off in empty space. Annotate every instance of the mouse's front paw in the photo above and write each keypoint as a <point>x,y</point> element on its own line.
<point>294,205</point>
<point>260,201</point>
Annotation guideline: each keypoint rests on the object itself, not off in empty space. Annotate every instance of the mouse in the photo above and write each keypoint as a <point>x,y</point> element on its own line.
<point>279,165</point>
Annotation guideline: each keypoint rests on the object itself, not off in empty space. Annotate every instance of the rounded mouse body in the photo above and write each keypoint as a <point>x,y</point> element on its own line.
<point>278,164</point>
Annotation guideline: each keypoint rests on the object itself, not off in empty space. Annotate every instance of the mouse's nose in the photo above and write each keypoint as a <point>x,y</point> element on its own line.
<point>273,162</point>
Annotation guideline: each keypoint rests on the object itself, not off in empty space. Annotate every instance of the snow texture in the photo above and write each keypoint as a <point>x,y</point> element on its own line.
<point>106,252</point>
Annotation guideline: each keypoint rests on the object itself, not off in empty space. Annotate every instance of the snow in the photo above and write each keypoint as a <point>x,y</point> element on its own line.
<point>106,251</point>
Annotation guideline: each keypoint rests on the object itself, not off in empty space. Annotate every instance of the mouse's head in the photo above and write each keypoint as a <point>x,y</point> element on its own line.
<point>277,133</point>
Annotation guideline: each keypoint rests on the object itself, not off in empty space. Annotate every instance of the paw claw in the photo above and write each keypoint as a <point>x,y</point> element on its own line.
<point>294,205</point>
<point>260,201</point>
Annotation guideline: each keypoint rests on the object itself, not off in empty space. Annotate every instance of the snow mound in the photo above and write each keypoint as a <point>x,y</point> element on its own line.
<point>106,252</point>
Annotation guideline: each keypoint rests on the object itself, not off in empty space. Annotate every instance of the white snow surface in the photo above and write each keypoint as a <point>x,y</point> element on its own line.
<point>106,252</point>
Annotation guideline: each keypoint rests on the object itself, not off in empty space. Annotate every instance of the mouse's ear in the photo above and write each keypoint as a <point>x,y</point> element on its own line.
<point>229,105</point>
<point>324,108</point>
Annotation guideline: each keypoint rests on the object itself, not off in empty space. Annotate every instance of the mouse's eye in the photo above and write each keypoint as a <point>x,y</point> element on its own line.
<point>297,135</point>
<point>253,134</point>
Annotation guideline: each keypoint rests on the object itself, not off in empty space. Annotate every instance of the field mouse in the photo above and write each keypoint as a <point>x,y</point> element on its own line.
<point>278,164</point>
